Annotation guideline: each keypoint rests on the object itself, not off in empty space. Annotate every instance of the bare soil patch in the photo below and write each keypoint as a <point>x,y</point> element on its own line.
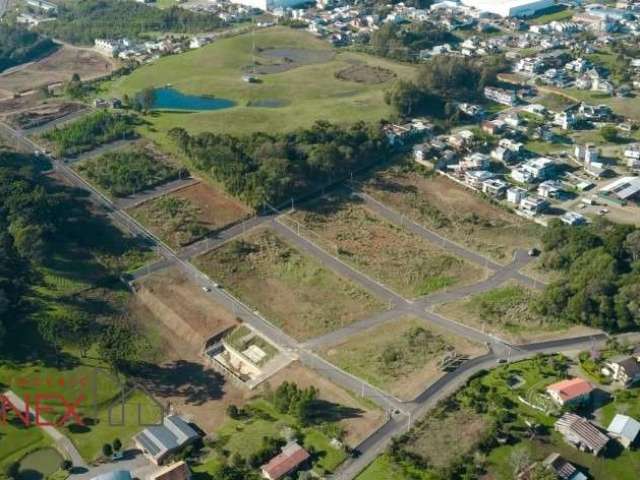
<point>17,103</point>
<point>366,74</point>
<point>402,357</point>
<point>404,261</point>
<point>218,209</point>
<point>289,288</point>
<point>457,213</point>
<point>57,68</point>
<point>357,427</point>
<point>43,114</point>
<point>278,60</point>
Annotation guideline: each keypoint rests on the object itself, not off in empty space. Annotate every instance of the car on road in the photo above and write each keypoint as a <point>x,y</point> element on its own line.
<point>206,289</point>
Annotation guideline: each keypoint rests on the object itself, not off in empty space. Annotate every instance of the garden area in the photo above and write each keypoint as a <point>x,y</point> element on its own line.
<point>398,258</point>
<point>401,357</point>
<point>292,290</point>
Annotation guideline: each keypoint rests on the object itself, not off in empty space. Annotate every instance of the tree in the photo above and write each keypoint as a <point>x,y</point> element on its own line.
<point>66,465</point>
<point>12,470</point>
<point>540,472</point>
<point>117,445</point>
<point>147,98</point>
<point>519,459</point>
<point>609,133</point>
<point>632,245</point>
<point>116,344</point>
<point>233,412</point>
<point>107,450</point>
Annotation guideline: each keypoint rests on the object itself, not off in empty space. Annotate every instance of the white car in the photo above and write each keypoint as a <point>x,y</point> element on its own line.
<point>206,289</point>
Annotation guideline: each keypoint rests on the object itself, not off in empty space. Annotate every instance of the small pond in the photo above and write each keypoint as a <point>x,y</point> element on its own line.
<point>168,98</point>
<point>39,464</point>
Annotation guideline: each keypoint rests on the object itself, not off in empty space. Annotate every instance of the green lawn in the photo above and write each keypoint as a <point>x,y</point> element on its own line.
<point>244,437</point>
<point>384,468</point>
<point>558,16</point>
<point>307,93</point>
<point>17,440</point>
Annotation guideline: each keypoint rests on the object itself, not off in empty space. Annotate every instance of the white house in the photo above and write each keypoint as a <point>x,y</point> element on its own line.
<point>515,195</point>
<point>533,205</point>
<point>624,429</point>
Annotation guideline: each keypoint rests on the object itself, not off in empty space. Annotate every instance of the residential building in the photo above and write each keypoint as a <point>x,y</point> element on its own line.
<point>111,48</point>
<point>623,189</point>
<point>475,178</point>
<point>550,189</point>
<point>540,168</point>
<point>565,120</point>
<point>500,95</point>
<point>502,154</point>
<point>521,175</point>
<point>586,154</point>
<point>268,5</point>
<point>494,187</point>
<point>476,161</point>
<point>570,392</point>
<point>581,433</point>
<point>510,8</point>
<point>625,370</point>
<point>624,429</point>
<point>573,219</point>
<point>515,195</point>
<point>562,468</point>
<point>292,457</point>
<point>160,441</point>
<point>533,206</point>
<point>43,5</point>
<point>175,471</point>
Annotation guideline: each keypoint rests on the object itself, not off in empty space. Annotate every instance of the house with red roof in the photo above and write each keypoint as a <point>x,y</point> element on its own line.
<point>570,392</point>
<point>292,457</point>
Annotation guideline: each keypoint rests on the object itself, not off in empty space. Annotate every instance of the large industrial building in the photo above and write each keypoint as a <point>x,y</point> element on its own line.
<point>510,8</point>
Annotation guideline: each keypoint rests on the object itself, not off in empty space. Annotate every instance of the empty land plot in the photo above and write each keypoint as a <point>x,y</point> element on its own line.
<point>401,357</point>
<point>57,68</point>
<point>292,290</point>
<point>359,419</point>
<point>183,216</point>
<point>400,259</point>
<point>442,439</point>
<point>455,212</point>
<point>507,311</point>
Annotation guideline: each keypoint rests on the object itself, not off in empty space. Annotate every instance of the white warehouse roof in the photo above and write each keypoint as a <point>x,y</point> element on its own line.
<point>510,8</point>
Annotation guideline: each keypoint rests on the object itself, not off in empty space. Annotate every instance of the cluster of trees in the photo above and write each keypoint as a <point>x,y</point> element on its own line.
<point>296,401</point>
<point>19,45</point>
<point>404,42</point>
<point>264,168</point>
<point>85,20</point>
<point>125,172</point>
<point>443,82</point>
<point>90,131</point>
<point>601,282</point>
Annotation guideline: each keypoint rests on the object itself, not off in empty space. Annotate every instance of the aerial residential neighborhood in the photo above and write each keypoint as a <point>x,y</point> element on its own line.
<point>342,240</point>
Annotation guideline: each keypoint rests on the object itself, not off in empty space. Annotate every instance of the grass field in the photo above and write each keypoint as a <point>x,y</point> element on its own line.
<point>304,93</point>
<point>185,215</point>
<point>454,211</point>
<point>384,468</point>
<point>290,289</point>
<point>401,357</point>
<point>393,255</point>
<point>506,311</point>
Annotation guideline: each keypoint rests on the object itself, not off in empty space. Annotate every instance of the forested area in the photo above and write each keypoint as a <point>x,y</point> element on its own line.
<point>19,45</point>
<point>90,131</point>
<point>600,286</point>
<point>404,42</point>
<point>124,172</point>
<point>443,82</point>
<point>263,168</point>
<point>83,21</point>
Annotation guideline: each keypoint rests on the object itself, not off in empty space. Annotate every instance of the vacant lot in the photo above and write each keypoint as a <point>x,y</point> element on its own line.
<point>507,311</point>
<point>363,419</point>
<point>187,214</point>
<point>454,211</point>
<point>401,357</point>
<point>302,84</point>
<point>44,113</point>
<point>57,68</point>
<point>290,289</point>
<point>365,74</point>
<point>398,258</point>
<point>434,438</point>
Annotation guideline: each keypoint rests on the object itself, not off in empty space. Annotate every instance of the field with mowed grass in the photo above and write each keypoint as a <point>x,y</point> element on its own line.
<point>297,84</point>
<point>401,357</point>
<point>290,289</point>
<point>400,259</point>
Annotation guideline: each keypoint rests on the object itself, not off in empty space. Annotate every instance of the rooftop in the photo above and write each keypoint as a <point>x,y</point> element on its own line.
<point>570,389</point>
<point>625,427</point>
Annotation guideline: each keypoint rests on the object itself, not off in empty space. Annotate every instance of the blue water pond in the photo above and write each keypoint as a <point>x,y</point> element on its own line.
<point>168,98</point>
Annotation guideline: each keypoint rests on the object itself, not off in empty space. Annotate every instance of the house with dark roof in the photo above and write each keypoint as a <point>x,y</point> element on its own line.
<point>292,457</point>
<point>570,392</point>
<point>160,441</point>
<point>625,370</point>
<point>562,468</point>
<point>581,433</point>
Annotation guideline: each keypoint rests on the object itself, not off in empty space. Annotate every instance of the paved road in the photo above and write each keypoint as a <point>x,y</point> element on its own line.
<point>139,198</point>
<point>61,441</point>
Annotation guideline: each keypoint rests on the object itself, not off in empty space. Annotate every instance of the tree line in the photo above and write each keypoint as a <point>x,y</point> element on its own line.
<point>90,131</point>
<point>266,168</point>
<point>405,41</point>
<point>442,82</point>
<point>19,45</point>
<point>600,266</point>
<point>83,21</point>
